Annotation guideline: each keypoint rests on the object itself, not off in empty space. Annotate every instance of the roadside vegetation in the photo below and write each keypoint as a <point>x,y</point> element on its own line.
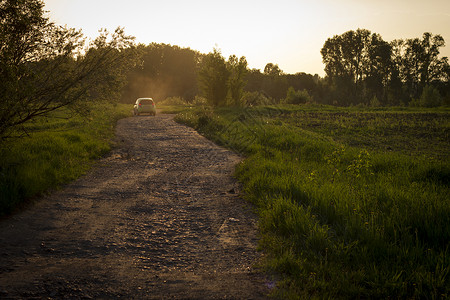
<point>353,203</point>
<point>58,99</point>
<point>58,149</point>
<point>352,198</point>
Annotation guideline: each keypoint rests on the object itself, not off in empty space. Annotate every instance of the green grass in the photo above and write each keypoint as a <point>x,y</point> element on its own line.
<point>58,149</point>
<point>352,203</point>
<point>173,109</point>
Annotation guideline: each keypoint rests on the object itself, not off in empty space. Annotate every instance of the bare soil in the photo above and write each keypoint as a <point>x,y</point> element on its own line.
<point>159,218</point>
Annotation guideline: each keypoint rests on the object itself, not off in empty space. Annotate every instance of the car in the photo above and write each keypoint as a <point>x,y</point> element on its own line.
<point>144,105</point>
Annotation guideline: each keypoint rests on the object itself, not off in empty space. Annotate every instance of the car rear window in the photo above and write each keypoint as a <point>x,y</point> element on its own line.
<point>146,102</point>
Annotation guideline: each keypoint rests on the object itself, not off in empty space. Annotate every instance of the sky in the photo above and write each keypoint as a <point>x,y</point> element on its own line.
<point>289,33</point>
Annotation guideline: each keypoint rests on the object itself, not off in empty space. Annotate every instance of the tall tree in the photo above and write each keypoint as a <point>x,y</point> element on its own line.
<point>163,71</point>
<point>272,69</point>
<point>418,62</point>
<point>379,68</point>
<point>398,89</point>
<point>432,66</point>
<point>213,78</point>
<point>236,81</point>
<point>357,64</point>
<point>42,68</point>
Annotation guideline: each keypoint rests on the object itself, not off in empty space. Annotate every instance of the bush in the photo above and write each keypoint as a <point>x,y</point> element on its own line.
<point>199,101</point>
<point>173,101</point>
<point>430,98</point>
<point>374,102</point>
<point>254,99</point>
<point>57,150</point>
<point>297,97</point>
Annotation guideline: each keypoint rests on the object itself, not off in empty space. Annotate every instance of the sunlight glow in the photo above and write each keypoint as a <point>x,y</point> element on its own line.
<point>286,32</point>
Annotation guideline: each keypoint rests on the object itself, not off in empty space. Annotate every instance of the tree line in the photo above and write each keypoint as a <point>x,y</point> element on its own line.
<point>361,68</point>
<point>170,71</point>
<point>45,67</point>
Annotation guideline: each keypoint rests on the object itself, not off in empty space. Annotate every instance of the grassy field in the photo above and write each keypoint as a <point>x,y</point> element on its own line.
<point>353,203</point>
<point>57,150</point>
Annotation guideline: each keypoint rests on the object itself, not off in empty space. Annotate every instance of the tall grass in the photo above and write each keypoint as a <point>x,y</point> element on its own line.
<point>58,149</point>
<point>341,216</point>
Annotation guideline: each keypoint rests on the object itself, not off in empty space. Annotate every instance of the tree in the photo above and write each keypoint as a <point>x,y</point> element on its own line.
<point>102,71</point>
<point>272,69</point>
<point>422,64</point>
<point>396,90</point>
<point>42,67</point>
<point>430,98</point>
<point>297,97</point>
<point>416,64</point>
<point>347,61</point>
<point>163,71</point>
<point>275,84</point>
<point>213,78</point>
<point>236,82</point>
<point>379,68</point>
<point>361,65</point>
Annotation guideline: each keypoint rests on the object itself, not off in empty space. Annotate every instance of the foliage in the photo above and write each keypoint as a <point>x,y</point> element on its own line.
<point>255,98</point>
<point>236,81</point>
<point>374,102</point>
<point>222,82</point>
<point>42,68</point>
<point>199,101</point>
<point>360,65</point>
<point>345,207</point>
<point>172,101</point>
<point>420,64</point>
<point>213,78</point>
<point>57,150</point>
<point>430,98</point>
<point>272,70</point>
<point>163,71</point>
<point>363,69</point>
<point>297,97</point>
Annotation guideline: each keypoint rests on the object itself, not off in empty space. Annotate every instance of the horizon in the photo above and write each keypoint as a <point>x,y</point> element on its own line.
<point>261,31</point>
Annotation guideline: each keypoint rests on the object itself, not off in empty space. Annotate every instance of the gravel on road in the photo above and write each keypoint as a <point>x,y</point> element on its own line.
<point>159,217</point>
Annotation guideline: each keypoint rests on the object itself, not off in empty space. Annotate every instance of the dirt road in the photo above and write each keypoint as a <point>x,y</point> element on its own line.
<point>159,217</point>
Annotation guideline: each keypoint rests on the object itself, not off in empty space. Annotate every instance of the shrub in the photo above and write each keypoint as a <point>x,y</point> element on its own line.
<point>374,102</point>
<point>297,97</point>
<point>173,101</point>
<point>430,98</point>
<point>56,151</point>
<point>254,99</point>
<point>199,101</point>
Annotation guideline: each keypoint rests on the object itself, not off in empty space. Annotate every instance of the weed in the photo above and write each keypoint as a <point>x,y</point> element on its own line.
<point>58,149</point>
<point>353,203</point>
